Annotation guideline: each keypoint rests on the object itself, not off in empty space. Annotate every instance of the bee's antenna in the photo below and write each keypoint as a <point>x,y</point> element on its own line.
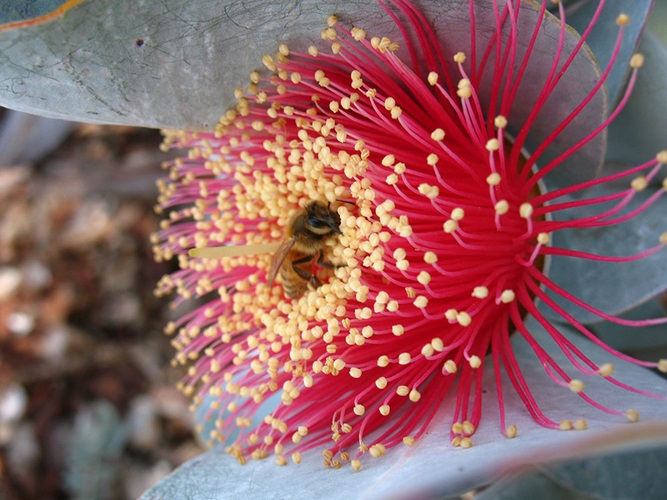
<point>344,201</point>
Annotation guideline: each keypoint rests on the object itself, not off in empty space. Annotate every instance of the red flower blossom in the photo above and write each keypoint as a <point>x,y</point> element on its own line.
<point>445,230</point>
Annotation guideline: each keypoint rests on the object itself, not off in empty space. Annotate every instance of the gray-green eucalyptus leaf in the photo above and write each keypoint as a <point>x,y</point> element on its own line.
<point>20,10</point>
<point>175,65</point>
<point>635,474</point>
<point>657,22</point>
<point>638,474</point>
<point>603,36</point>
<point>613,287</point>
<point>650,341</point>
<point>641,129</point>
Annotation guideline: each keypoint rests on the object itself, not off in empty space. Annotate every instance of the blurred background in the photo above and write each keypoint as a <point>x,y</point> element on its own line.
<point>88,405</point>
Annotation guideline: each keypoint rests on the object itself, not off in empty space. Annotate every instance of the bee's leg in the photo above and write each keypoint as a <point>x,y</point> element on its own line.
<point>306,275</point>
<point>323,263</point>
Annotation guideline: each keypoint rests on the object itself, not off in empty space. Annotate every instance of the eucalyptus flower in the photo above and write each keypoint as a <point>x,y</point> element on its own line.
<point>449,216</point>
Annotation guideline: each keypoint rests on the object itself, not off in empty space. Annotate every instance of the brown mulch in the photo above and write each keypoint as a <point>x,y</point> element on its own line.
<point>88,407</point>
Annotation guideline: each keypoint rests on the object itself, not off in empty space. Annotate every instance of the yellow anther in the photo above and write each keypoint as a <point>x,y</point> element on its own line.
<point>403,390</point>
<point>623,20</point>
<point>267,60</point>
<point>329,34</point>
<point>458,214</point>
<point>358,34</point>
<point>420,302</point>
<point>463,83</point>
<point>632,416</point>
<point>450,366</point>
<point>438,134</point>
<point>388,160</point>
<point>430,258</point>
<point>580,425</point>
<point>464,93</point>
<point>480,292</point>
<point>450,226</point>
<point>525,210</point>
<point>565,425</point>
<point>502,207</point>
<point>429,191</point>
<point>381,383</point>
<point>576,385</point>
<point>662,365</point>
<point>639,183</point>
<point>377,450</point>
<point>427,350</point>
<point>493,179</point>
<point>507,296</point>
<point>438,344</point>
<point>398,330</point>
<point>492,145</point>
<point>465,443</point>
<point>424,278</point>
<point>662,157</point>
<point>400,254</point>
<point>463,319</point>
<point>475,361</point>
<point>403,359</point>
<point>500,121</point>
<point>460,57</point>
<point>510,431</point>
<point>543,238</point>
<point>637,61</point>
<point>606,369</point>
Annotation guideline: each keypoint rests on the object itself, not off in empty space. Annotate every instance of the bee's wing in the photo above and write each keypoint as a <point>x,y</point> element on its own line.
<point>279,257</point>
<point>233,250</point>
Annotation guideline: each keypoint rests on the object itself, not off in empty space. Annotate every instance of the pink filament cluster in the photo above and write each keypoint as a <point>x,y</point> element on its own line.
<point>444,249</point>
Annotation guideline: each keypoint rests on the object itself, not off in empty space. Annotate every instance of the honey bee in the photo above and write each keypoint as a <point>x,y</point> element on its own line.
<point>305,240</point>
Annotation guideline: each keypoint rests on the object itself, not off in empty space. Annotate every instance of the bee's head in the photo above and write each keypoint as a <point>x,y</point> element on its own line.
<point>321,220</point>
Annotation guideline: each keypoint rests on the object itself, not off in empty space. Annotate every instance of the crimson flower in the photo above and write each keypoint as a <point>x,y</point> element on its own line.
<point>424,144</point>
